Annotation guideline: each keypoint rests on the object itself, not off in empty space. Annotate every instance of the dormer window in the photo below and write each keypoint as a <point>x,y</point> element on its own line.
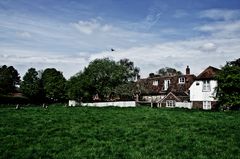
<point>166,84</point>
<point>155,83</point>
<point>181,80</point>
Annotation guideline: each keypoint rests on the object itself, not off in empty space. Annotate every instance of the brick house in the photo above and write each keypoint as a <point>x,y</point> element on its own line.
<point>167,90</point>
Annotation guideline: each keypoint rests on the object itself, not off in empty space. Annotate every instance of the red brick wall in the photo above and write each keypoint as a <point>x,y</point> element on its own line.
<point>199,104</point>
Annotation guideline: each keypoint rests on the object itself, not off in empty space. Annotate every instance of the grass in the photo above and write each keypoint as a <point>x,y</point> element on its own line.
<point>87,132</point>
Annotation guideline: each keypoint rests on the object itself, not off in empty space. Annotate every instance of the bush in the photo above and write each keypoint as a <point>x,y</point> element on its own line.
<point>13,100</point>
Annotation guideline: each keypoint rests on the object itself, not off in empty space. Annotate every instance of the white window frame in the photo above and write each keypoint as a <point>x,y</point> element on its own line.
<point>155,83</point>
<point>170,103</point>
<point>206,86</point>
<point>181,80</point>
<point>166,84</point>
<point>207,105</point>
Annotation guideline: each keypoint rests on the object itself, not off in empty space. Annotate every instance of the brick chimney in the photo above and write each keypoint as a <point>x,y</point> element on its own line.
<point>187,70</point>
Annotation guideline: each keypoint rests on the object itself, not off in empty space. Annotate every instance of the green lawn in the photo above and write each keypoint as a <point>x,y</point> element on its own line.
<point>85,132</point>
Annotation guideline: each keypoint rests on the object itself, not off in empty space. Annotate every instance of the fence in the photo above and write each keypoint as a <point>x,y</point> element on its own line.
<point>105,104</point>
<point>183,105</point>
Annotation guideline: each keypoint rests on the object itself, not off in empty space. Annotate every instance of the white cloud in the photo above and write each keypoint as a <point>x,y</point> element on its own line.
<point>150,20</point>
<point>25,59</point>
<point>178,54</point>
<point>221,29</point>
<point>88,27</point>
<point>208,47</point>
<point>221,26</point>
<point>24,34</point>
<point>70,49</point>
<point>220,14</point>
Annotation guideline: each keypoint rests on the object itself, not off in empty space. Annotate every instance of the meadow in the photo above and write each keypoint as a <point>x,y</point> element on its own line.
<point>88,132</point>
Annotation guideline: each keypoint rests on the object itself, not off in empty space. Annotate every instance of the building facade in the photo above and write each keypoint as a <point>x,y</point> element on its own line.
<point>203,89</point>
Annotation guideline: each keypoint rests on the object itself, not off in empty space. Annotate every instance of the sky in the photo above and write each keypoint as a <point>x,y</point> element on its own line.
<point>68,34</point>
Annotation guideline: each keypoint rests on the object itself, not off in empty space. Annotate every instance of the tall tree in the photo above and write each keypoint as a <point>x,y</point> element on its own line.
<point>131,72</point>
<point>168,71</point>
<point>104,75</point>
<point>228,93</point>
<point>31,85</point>
<point>9,78</point>
<point>54,84</point>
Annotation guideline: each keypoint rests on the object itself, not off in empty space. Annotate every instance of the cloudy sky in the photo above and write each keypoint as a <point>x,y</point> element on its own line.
<point>68,34</point>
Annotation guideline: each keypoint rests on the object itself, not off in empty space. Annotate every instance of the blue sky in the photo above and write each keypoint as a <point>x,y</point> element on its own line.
<point>68,34</point>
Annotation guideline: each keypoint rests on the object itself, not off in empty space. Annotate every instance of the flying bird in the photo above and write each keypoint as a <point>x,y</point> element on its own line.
<point>112,49</point>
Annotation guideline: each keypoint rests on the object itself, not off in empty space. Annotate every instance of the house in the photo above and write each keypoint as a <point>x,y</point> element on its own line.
<point>202,91</point>
<point>165,91</point>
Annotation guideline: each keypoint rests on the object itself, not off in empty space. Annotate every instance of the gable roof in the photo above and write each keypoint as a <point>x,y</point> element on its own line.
<point>177,96</point>
<point>208,73</point>
<point>171,96</point>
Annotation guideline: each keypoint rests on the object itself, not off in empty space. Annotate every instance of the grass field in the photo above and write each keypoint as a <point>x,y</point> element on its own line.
<point>84,132</point>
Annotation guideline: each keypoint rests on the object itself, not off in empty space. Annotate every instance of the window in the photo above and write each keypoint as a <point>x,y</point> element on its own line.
<point>181,80</point>
<point>206,86</point>
<point>166,84</point>
<point>170,103</point>
<point>206,105</point>
<point>155,83</point>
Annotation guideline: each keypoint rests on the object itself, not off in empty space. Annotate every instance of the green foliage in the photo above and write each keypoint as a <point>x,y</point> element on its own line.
<point>131,72</point>
<point>229,85</point>
<point>168,71</point>
<point>9,78</point>
<point>85,132</point>
<point>126,91</point>
<point>54,84</point>
<point>79,88</point>
<point>101,77</point>
<point>104,75</point>
<point>31,85</point>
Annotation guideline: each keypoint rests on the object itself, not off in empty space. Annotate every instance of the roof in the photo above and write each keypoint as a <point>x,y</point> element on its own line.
<point>208,73</point>
<point>147,83</point>
<point>177,96</point>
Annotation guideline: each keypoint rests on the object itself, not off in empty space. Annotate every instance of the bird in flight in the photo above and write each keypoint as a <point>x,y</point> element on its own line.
<point>112,49</point>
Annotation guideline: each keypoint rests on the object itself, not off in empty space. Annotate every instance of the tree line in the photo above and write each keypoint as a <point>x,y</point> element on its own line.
<point>103,80</point>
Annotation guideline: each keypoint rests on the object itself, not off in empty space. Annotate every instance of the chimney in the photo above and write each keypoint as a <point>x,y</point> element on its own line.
<point>187,70</point>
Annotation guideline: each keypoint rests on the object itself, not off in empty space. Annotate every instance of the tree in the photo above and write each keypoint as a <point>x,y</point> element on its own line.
<point>103,76</point>
<point>31,85</point>
<point>132,72</point>
<point>229,85</point>
<point>9,78</point>
<point>168,71</point>
<point>78,88</point>
<point>54,85</point>
<point>100,78</point>
<point>126,91</point>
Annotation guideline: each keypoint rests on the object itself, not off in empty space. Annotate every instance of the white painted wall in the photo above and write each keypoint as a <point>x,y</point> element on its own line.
<point>115,104</point>
<point>196,93</point>
<point>72,103</point>
<point>183,105</point>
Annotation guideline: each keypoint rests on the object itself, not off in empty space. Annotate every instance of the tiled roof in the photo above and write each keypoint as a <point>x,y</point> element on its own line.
<point>174,86</point>
<point>208,73</point>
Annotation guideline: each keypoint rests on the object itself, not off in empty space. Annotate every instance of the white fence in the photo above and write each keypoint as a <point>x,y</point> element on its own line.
<point>105,104</point>
<point>183,105</point>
